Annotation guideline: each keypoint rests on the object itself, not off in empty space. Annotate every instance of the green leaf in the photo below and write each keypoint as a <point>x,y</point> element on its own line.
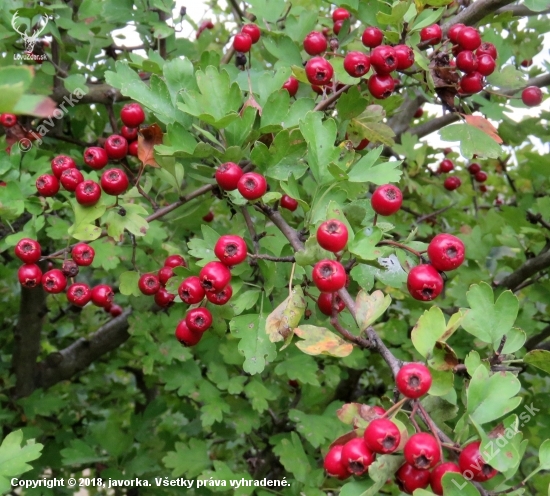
<point>456,485</point>
<point>269,10</point>
<point>544,455</point>
<point>380,471</point>
<point>375,131</point>
<point>536,5</point>
<point>83,229</point>
<point>539,359</point>
<point>321,341</point>
<point>364,244</point>
<point>365,171</point>
<point>275,111</point>
<point>396,17</point>
<point>370,307</point>
<point>431,328</point>
<point>472,140</point>
<point>299,367</point>
<point>189,459</point>
<point>316,429</point>
<point>507,77</point>
<point>13,83</point>
<point>427,16</point>
<point>351,104</point>
<point>286,316</point>
<point>128,284</point>
<point>293,457</point>
<point>80,453</point>
<point>283,49</point>
<point>14,457</point>
<point>75,82</point>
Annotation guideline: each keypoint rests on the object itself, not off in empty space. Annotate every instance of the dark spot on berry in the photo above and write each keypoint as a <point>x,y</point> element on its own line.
<point>487,469</point>
<point>422,462</point>
<point>427,292</point>
<point>231,249</point>
<point>79,292</point>
<point>199,321</point>
<point>388,442</point>
<point>359,68</point>
<point>320,75</point>
<point>356,467</point>
<point>333,227</point>
<point>326,270</point>
<point>113,175</point>
<point>250,184</point>
<point>390,60</point>
<point>414,382</point>
<point>390,192</point>
<point>451,252</point>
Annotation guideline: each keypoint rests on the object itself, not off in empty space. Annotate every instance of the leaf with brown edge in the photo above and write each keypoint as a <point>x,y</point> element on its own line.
<point>348,412</point>
<point>321,341</point>
<point>286,316</point>
<point>148,137</point>
<point>340,441</point>
<point>483,125</point>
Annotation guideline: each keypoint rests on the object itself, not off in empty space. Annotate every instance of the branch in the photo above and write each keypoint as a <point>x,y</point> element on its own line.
<point>377,344</point>
<point>475,12</point>
<point>289,233</point>
<point>521,11</point>
<point>400,121</point>
<point>98,93</point>
<point>526,270</point>
<point>533,341</point>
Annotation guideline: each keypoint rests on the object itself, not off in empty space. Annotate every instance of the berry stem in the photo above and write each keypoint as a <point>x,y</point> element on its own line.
<point>401,246</point>
<point>394,410</point>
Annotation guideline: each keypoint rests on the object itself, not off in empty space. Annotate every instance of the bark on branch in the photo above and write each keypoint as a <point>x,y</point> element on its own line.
<point>526,270</point>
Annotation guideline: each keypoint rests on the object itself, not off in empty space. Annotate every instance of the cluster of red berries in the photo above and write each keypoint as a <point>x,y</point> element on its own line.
<point>452,182</point>
<point>230,177</point>
<point>206,24</point>
<point>249,35</point>
<point>155,284</point>
<point>54,281</point>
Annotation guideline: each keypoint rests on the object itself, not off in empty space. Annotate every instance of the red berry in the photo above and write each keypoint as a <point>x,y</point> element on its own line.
<point>453,32</point>
<point>222,297</point>
<point>242,42</point>
<point>79,294</point>
<point>413,380</point>
<point>474,169</point>
<point>54,281</point>
<point>379,410</point>
<point>87,193</point>
<point>487,49</point>
<point>252,185</point>
<point>446,151</point>
<point>163,298</point>
<point>333,463</point>
<point>452,183</point>
<point>291,85</point>
<point>472,465</point>
<point>424,283</point>
<point>383,59</point>
<point>466,61</point>
<point>486,65</point>
<point>324,303</point>
<point>337,27</point>
<point>469,38</point>
<point>47,185</point>
<point>133,148</point>
<point>185,336</point>
<point>230,249</point>
<point>95,157</point>
<point>116,147</point>
<point>471,83</point>
<point>446,166</point>
<point>409,478</point>
<point>82,254</point>
<point>114,182</point>
<point>115,310</point>
<point>381,87</point>
<point>372,37</point>
<point>214,276</point>
<point>332,235</point>
<point>315,43</point>
<point>70,179</point>
<point>319,71</point>
<point>62,163</point>
<point>357,457</point>
<point>289,203</point>
<point>419,113</point>
<point>228,175</point>
<point>329,276</point>
<point>102,295</point>
<point>209,217</point>
<point>431,34</point>
<point>191,291</point>
<point>8,120</point>
<point>527,63</point>
<point>422,451</point>
<point>198,319</point>
<point>382,436</point>
<point>253,31</point>
<point>481,177</point>
<point>531,96</point>
<point>28,250</point>
<point>446,252</point>
<point>362,144</point>
<point>149,284</point>
<point>29,275</point>
<point>386,199</point>
<point>437,474</point>
<point>405,56</point>
<point>175,261</point>
<point>356,64</point>
<point>164,274</point>
<point>340,14</point>
<point>129,133</point>
<point>132,115</point>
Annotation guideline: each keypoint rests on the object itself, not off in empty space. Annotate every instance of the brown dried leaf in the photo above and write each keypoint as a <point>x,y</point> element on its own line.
<point>348,412</point>
<point>251,102</point>
<point>148,137</point>
<point>483,125</point>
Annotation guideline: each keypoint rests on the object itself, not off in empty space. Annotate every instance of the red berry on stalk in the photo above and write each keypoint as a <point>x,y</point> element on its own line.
<point>332,235</point>
<point>82,254</point>
<point>466,61</point>
<point>381,87</point>
<point>472,465</point>
<point>209,217</point>
<point>431,34</point>
<point>372,37</point>
<point>333,463</point>
<point>253,31</point>
<point>356,64</point>
<point>446,252</point>
<point>129,133</point>
<point>230,249</point>
<point>185,336</point>
<point>132,115</point>
<point>329,276</point>
<point>8,120</point>
<point>242,42</point>
<point>214,276</point>
<point>79,294</point>
<point>527,63</point>
<point>386,199</point>
<point>409,479</point>
<point>413,380</point>
<point>114,182</point>
<point>357,457</point>
<point>424,283</point>
<point>481,177</point>
<point>222,297</point>
<point>163,298</point>
<point>319,71</point>
<point>474,169</point>
<point>115,310</point>
<point>531,96</point>
<point>383,59</point>
<point>487,49</point>
<point>324,303</point>
<point>174,261</point>
<point>28,250</point>
<point>228,175</point>
<point>252,185</point>
<point>70,179</point>
<point>453,32</point>
<point>452,183</point>
<point>337,27</point>
<point>164,274</point>
<point>315,43</point>
<point>95,157</point>
<point>149,284</point>
<point>382,436</point>
<point>486,65</point>
<point>47,185</point>
<point>469,38</point>
<point>54,281</point>
<point>87,193</point>
<point>29,275</point>
<point>422,451</point>
<point>116,147</point>
<point>291,85</point>
<point>362,144</point>
<point>102,295</point>
<point>446,166</point>
<point>405,56</point>
<point>289,203</point>
<point>198,319</point>
<point>471,83</point>
<point>62,163</point>
<point>436,476</point>
<point>340,14</point>
<point>133,148</point>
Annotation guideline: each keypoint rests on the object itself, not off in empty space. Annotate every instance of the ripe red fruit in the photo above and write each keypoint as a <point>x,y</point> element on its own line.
<point>413,380</point>
<point>47,185</point>
<point>382,436</point>
<point>471,83</point>
<point>102,295</point>
<point>452,183</point>
<point>29,275</point>
<point>437,474</point>
<point>362,144</point>
<point>337,27</point>
<point>149,284</point>
<point>253,31</point>
<point>175,261</point>
<point>8,120</point>
<point>472,464</point>
<point>291,85</point>
<point>164,274</point>
<point>242,42</point>
<point>469,38</point>
<point>409,479</point>
<point>115,310</point>
<point>198,319</point>
<point>383,59</point>
<point>228,175</point>
<point>474,169</point>
<point>422,451</point>
<point>133,148</point>
<point>481,177</point>
<point>95,157</point>
<point>28,250</point>
<point>54,281</point>
<point>191,291</point>
<point>431,34</point>
<point>487,49</point>
<point>79,294</point>
<point>185,336</point>
<point>319,71</point>
<point>446,151</point>
<point>333,463</point>
<point>214,276</point>
<point>82,254</point>
<point>70,179</point>
<point>329,276</point>
<point>209,217</point>
<point>252,185</point>
<point>405,56</point>
<point>332,235</point>
<point>446,252</point>
<point>114,182</point>
<point>116,147</point>
<point>485,65</point>
<point>340,14</point>
<point>453,32</point>
<point>230,249</point>
<point>466,61</point>
<point>356,64</point>
<point>87,193</point>
<point>424,283</point>
<point>315,43</point>
<point>324,303</point>
<point>163,298</point>
<point>62,163</point>
<point>132,115</point>
<point>289,203</point>
<point>207,24</point>
<point>222,297</point>
<point>531,96</point>
<point>129,133</point>
<point>381,87</point>
<point>446,166</point>
<point>527,63</point>
<point>372,37</point>
<point>356,456</point>
<point>386,199</point>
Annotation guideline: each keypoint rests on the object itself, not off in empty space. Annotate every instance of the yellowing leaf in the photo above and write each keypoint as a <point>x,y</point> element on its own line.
<point>484,125</point>
<point>369,307</point>
<point>321,341</point>
<point>286,316</point>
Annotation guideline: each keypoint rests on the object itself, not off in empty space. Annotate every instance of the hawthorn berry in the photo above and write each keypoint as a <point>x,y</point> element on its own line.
<point>431,34</point>
<point>474,169</point>
<point>452,183</point>
<point>531,96</point>
<point>471,83</point>
<point>47,185</point>
<point>356,64</point>
<point>422,451</point>
<point>132,115</point>
<point>214,276</point>
<point>29,275</point>
<point>324,303</point>
<point>174,261</point>
<point>149,284</point>
<point>163,298</point>
<point>332,235</point>
<point>83,254</point>
<point>527,63</point>
<point>288,203</point>
<point>329,276</point>
<point>405,57</point>
<point>340,14</point>
<point>291,85</point>
<point>381,87</point>
<point>453,32</point>
<point>480,177</point>
<point>114,182</point>
<point>382,436</point>
<point>409,479</point>
<point>446,252</point>
<point>54,281</point>
<point>129,133</point>
<point>242,42</point>
<point>28,250</point>
<point>206,24</point>
<point>469,38</point>
<point>198,319</point>
<point>228,175</point>
<point>191,291</point>
<point>116,147</point>
<point>209,217</point>
<point>95,157</point>
<point>319,71</point>
<point>466,61</point>
<point>185,336</point>
<point>164,274</point>
<point>315,43</point>
<point>62,163</point>
<point>424,283</point>
<point>115,310</point>
<point>472,465</point>
<point>383,59</point>
<point>446,166</point>
<point>483,188</point>
<point>372,37</point>
<point>87,193</point>
<point>437,474</point>
<point>413,380</point>
<point>386,199</point>
<point>133,148</point>
<point>362,144</point>
<point>69,268</point>
<point>79,294</point>
<point>252,185</point>
<point>253,31</point>
<point>486,65</point>
<point>70,179</point>
<point>222,297</point>
<point>356,456</point>
<point>8,120</point>
<point>336,28</point>
<point>230,249</point>
<point>102,295</point>
<point>334,464</point>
